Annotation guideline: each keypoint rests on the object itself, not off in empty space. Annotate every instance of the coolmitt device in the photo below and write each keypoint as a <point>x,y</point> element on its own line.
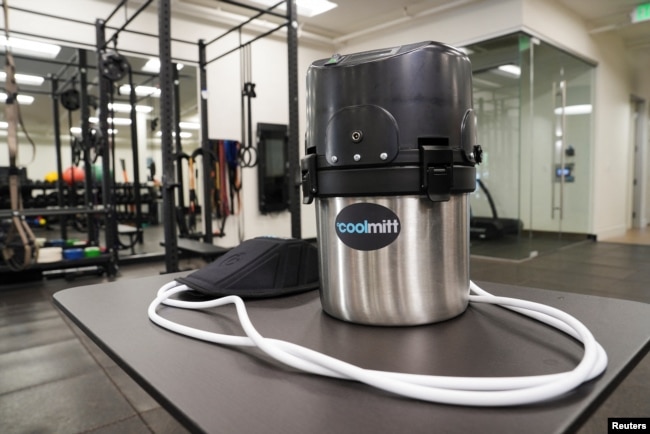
<point>259,267</point>
<point>390,159</point>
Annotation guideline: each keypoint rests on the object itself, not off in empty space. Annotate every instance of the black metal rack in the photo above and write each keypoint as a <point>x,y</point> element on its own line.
<point>167,116</point>
<point>62,209</point>
<point>166,82</point>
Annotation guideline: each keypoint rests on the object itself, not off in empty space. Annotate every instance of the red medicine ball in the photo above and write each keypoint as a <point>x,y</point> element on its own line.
<point>73,174</point>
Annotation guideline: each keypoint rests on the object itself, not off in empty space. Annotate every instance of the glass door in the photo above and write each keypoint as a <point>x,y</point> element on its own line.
<point>533,104</point>
<point>556,135</point>
<point>495,221</point>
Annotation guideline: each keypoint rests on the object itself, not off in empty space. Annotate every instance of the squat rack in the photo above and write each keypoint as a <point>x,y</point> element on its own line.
<point>167,112</point>
<point>291,25</point>
<point>166,78</point>
<point>166,117</point>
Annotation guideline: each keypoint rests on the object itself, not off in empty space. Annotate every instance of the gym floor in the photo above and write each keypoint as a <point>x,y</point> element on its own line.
<point>53,379</point>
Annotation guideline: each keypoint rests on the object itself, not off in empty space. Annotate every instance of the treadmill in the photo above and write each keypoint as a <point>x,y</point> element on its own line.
<point>488,228</point>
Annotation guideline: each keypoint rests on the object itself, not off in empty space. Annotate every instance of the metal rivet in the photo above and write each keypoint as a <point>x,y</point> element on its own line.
<point>334,159</point>
<point>383,155</point>
<point>357,157</point>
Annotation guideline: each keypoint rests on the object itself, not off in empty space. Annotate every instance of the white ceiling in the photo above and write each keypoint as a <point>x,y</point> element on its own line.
<point>356,15</point>
<point>613,15</point>
<point>352,17</point>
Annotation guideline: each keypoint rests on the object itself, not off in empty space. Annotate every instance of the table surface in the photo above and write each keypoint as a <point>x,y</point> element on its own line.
<point>220,389</point>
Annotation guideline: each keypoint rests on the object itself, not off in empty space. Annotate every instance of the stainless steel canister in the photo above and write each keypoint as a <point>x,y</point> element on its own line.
<point>390,159</point>
<point>421,277</point>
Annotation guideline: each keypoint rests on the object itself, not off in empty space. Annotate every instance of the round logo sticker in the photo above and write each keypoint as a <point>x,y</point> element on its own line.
<point>367,226</point>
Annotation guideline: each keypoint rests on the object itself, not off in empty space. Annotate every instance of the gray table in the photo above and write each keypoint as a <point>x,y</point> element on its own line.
<point>223,390</point>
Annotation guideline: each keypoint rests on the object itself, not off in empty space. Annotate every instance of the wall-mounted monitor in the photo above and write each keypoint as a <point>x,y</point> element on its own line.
<point>273,173</point>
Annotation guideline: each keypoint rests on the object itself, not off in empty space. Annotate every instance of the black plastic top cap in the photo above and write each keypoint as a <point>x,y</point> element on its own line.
<point>419,91</point>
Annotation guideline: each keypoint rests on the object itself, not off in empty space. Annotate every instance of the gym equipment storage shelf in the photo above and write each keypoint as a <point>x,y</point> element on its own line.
<point>99,262</point>
<point>104,262</point>
<point>125,203</point>
<point>41,198</point>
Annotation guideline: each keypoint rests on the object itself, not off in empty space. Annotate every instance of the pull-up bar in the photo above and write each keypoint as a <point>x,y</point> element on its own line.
<point>248,21</point>
<point>263,35</point>
<point>126,23</point>
<point>72,20</point>
<point>117,8</point>
<point>255,8</point>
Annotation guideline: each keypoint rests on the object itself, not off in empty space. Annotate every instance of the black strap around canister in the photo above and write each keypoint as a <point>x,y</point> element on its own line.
<point>434,175</point>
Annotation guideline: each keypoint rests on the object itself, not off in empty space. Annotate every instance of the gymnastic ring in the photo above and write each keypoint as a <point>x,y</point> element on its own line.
<point>248,157</point>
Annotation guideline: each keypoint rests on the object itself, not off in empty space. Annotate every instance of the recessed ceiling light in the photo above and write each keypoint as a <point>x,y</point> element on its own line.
<point>31,48</point>
<point>511,69</point>
<point>126,108</point>
<point>578,109</point>
<point>306,8</point>
<point>22,99</point>
<point>125,89</point>
<point>77,130</point>
<point>153,65</point>
<point>114,121</point>
<point>33,80</point>
<point>190,125</point>
<point>184,134</point>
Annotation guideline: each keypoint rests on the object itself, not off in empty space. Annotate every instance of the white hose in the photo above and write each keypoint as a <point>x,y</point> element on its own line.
<point>471,391</point>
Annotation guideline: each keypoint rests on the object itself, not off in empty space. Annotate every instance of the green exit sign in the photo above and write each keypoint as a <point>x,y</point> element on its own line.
<point>641,13</point>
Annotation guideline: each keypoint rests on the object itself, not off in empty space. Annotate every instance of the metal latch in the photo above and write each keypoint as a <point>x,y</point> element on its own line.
<point>437,172</point>
<point>309,178</point>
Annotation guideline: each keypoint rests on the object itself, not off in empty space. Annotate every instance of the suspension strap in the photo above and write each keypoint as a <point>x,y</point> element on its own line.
<point>19,249</point>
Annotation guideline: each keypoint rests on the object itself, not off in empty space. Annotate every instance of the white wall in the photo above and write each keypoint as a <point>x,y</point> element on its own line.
<point>269,65</point>
<point>269,73</point>
<point>641,86</point>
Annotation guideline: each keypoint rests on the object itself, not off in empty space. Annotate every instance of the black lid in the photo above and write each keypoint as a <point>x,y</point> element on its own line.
<point>397,107</point>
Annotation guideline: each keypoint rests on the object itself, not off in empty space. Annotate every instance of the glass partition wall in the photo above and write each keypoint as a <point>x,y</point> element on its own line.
<point>533,103</point>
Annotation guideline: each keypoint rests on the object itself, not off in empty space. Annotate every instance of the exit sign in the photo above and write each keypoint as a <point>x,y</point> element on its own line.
<point>641,13</point>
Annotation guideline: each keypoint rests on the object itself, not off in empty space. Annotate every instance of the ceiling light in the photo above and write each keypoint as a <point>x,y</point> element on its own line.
<point>114,121</point>
<point>306,8</point>
<point>184,134</point>
<point>190,125</point>
<point>578,109</point>
<point>311,8</point>
<point>31,48</point>
<point>126,108</point>
<point>77,130</point>
<point>4,125</point>
<point>511,69</point>
<point>33,80</point>
<point>22,99</point>
<point>153,65</point>
<point>479,82</point>
<point>125,89</point>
